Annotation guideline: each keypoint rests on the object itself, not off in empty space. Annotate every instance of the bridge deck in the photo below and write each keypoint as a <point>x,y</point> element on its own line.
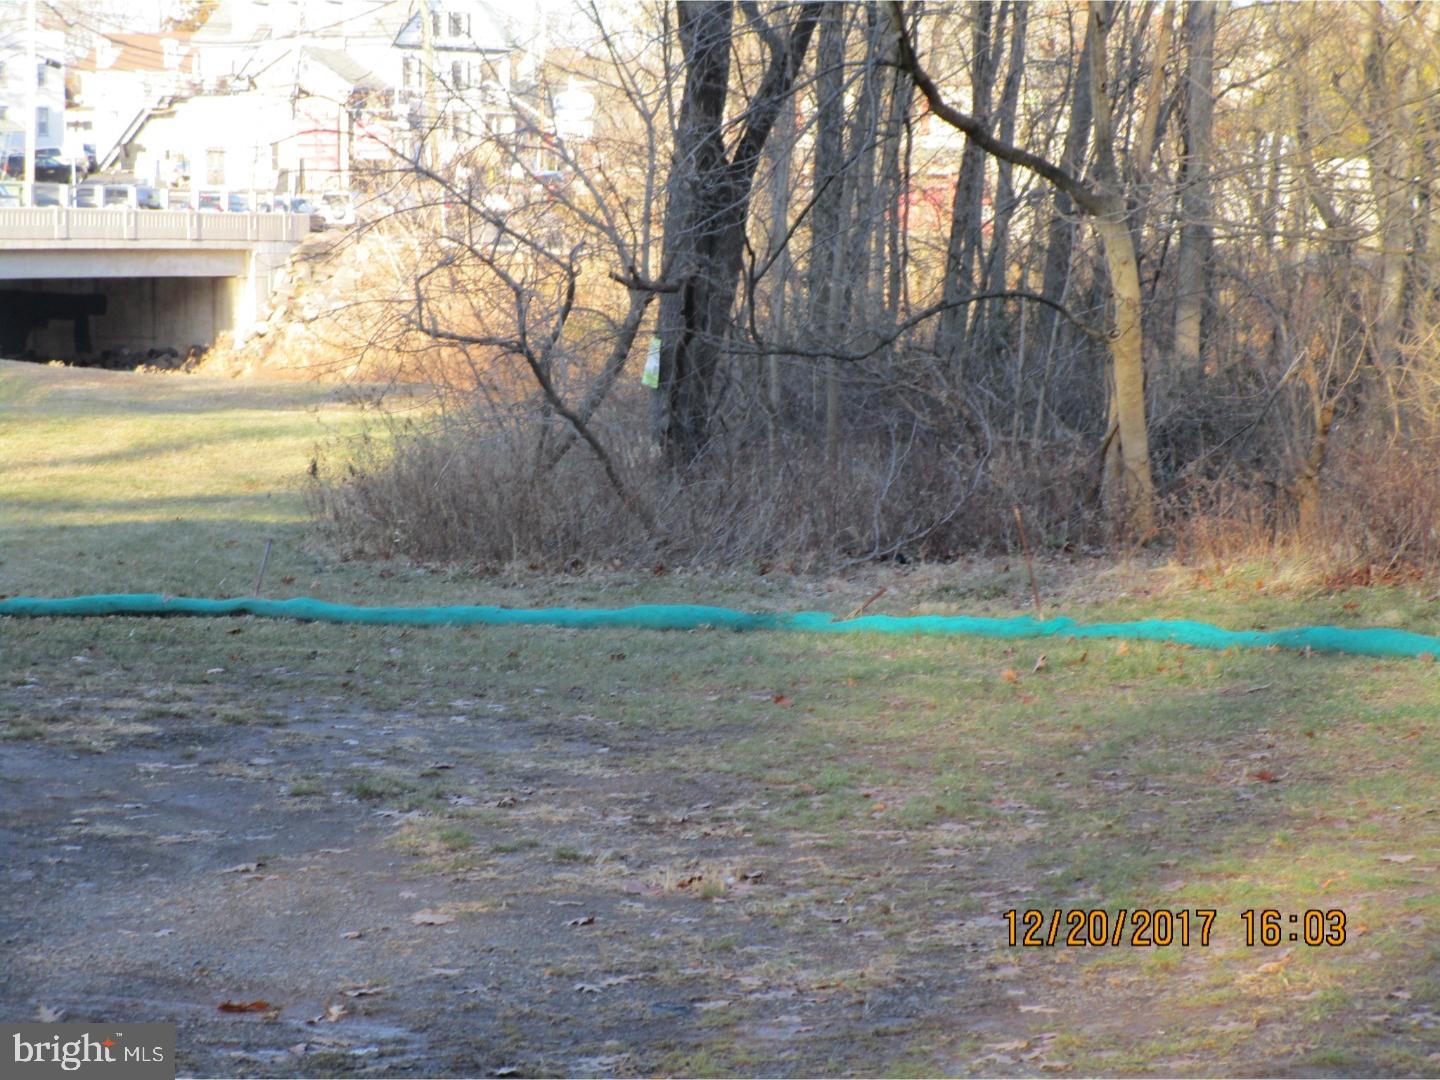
<point>51,227</point>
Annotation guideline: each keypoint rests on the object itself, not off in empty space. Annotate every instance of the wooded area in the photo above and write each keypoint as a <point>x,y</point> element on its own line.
<point>1151,272</point>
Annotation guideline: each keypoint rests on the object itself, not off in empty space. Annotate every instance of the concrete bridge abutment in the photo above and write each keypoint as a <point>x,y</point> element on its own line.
<point>78,283</point>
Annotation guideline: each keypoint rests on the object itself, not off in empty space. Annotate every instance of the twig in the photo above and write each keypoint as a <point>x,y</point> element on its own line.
<point>873,597</point>
<point>1029,562</point>
<point>264,562</point>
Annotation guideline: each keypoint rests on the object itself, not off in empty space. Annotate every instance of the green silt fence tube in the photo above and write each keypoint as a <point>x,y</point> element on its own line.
<point>1360,642</point>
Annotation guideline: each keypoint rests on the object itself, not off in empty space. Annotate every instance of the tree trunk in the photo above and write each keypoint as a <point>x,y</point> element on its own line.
<point>689,349</point>
<point>1128,490</point>
<point>828,209</point>
<point>1053,335</point>
<point>967,208</point>
<point>1387,152</point>
<point>1192,260</point>
<point>708,202</point>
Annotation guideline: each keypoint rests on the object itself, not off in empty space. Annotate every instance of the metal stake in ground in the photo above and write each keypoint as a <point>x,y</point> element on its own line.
<point>1029,562</point>
<point>264,562</point>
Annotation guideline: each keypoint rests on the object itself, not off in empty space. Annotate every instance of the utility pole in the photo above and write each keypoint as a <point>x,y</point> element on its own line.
<point>32,70</point>
<point>428,117</point>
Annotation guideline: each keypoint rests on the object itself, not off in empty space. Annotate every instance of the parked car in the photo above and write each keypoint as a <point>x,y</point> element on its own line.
<point>295,204</point>
<point>50,167</point>
<point>210,202</point>
<point>237,203</point>
<point>337,208</point>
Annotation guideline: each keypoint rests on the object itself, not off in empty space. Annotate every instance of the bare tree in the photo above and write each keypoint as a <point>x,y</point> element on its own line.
<point>708,200</point>
<point>1129,488</point>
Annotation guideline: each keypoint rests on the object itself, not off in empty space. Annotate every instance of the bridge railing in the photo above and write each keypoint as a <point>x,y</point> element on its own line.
<point>64,223</point>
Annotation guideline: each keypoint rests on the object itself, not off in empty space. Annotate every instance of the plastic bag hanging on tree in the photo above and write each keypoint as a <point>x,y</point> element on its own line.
<point>651,375</point>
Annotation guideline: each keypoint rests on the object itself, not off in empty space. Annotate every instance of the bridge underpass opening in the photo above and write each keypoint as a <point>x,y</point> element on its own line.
<point>114,321</point>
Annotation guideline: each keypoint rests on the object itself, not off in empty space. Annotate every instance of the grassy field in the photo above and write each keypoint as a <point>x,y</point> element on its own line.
<point>466,851</point>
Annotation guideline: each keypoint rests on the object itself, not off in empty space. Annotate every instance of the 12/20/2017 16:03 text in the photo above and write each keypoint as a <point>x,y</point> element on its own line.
<point>1163,927</point>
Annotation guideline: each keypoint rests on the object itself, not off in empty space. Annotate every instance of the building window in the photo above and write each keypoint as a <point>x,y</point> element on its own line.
<point>457,75</point>
<point>40,74</point>
<point>42,122</point>
<point>457,24</point>
<point>215,166</point>
<point>407,71</point>
<point>435,24</point>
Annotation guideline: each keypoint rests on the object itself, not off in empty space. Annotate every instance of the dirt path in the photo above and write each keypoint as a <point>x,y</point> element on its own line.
<point>589,911</point>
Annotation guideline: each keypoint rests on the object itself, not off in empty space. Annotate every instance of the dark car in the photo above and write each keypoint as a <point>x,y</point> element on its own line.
<point>50,168</point>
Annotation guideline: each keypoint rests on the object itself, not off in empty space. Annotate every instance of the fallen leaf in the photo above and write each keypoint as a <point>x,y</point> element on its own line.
<point>781,700</point>
<point>583,920</point>
<point>445,973</point>
<point>242,868</point>
<point>706,1006</point>
<point>1397,858</point>
<point>243,1006</point>
<point>431,918</point>
<point>1266,776</point>
<point>353,935</point>
<point>1042,663</point>
<point>1010,675</point>
<point>1275,965</point>
<point>44,1014</point>
<point>1123,649</point>
<point>585,988</point>
<point>363,991</point>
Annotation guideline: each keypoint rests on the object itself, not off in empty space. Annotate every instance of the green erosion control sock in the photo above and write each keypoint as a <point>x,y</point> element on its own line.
<point>1361,642</point>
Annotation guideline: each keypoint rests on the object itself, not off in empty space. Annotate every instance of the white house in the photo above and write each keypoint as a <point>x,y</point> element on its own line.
<point>17,77</point>
<point>122,79</point>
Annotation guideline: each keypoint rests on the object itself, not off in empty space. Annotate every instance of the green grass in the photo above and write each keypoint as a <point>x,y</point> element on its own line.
<point>1149,776</point>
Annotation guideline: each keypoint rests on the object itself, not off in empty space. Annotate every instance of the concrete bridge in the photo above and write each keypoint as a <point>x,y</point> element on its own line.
<point>130,278</point>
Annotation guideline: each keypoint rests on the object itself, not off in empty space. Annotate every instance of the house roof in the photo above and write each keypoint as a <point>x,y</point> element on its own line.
<point>348,68</point>
<point>140,52</point>
<point>487,33</point>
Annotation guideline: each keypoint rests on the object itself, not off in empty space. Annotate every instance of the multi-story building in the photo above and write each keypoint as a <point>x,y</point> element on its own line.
<point>121,81</point>
<point>290,95</point>
<point>21,85</point>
